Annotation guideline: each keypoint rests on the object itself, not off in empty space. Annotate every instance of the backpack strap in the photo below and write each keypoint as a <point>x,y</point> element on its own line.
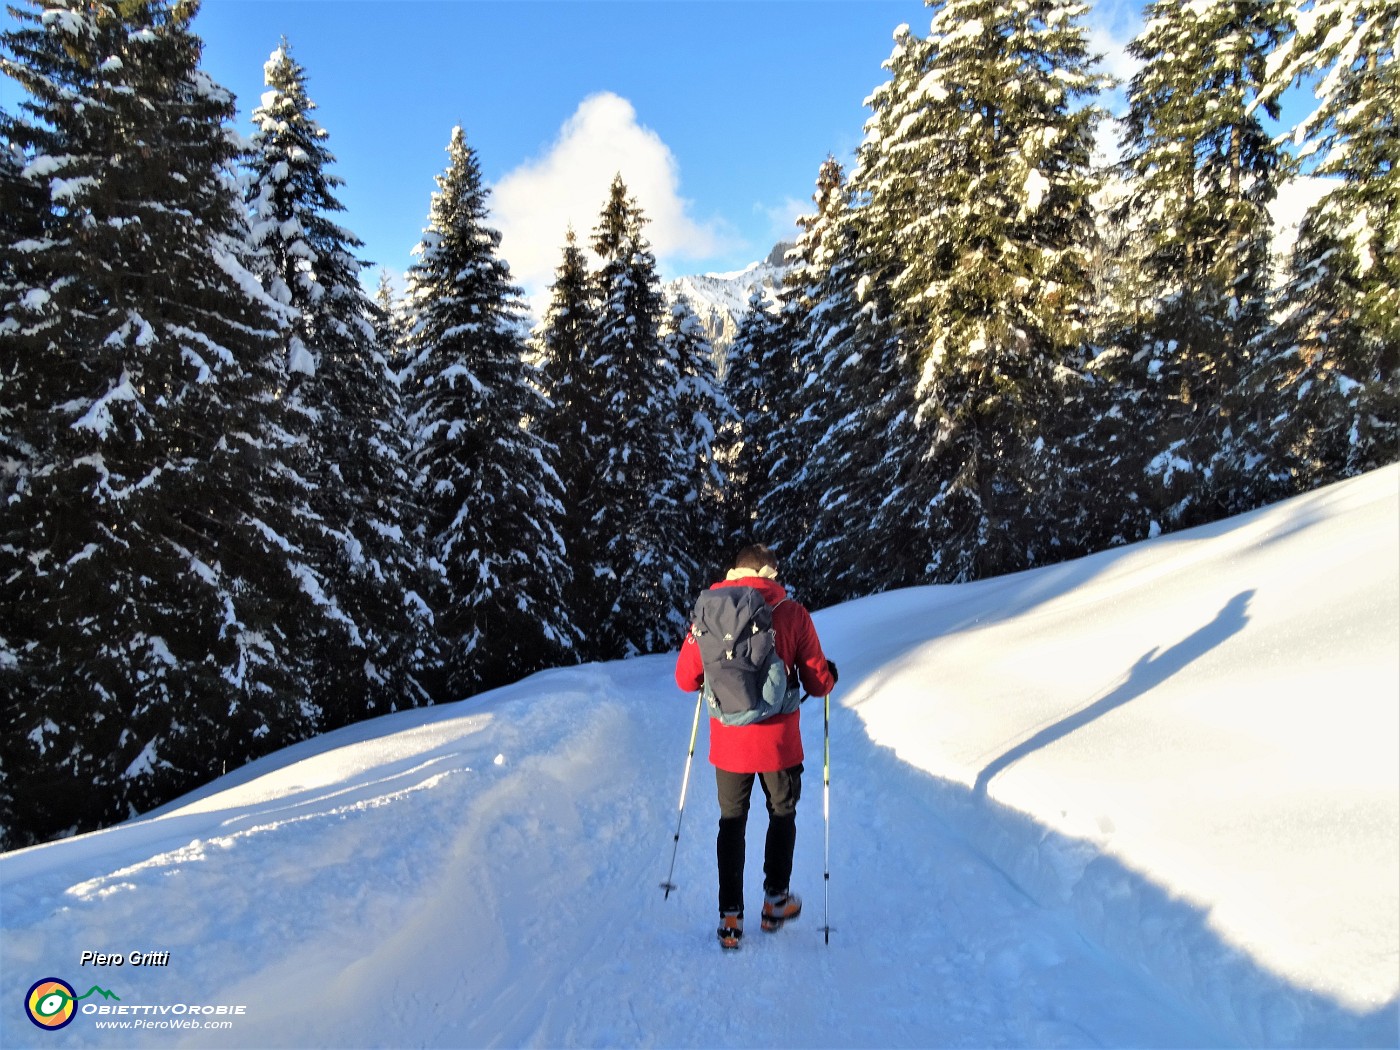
<point>791,671</point>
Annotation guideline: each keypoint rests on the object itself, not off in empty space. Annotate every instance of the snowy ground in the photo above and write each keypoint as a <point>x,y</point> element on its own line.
<point>1149,798</point>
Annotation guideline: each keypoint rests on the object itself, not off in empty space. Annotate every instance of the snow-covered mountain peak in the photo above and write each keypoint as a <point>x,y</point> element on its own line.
<point>720,300</point>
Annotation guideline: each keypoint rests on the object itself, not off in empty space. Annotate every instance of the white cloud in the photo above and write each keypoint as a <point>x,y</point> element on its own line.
<point>1113,24</point>
<point>1110,33</point>
<point>534,205</point>
<point>782,217</point>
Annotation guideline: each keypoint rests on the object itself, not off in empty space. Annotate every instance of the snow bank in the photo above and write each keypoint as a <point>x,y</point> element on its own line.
<point>1209,720</point>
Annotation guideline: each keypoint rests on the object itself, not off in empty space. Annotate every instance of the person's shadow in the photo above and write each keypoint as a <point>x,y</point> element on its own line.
<point>1147,673</point>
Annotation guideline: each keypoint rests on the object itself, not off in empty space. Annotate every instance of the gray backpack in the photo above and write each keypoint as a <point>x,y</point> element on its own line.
<point>745,678</point>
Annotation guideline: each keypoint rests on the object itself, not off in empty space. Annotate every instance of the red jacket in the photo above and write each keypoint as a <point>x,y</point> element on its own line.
<point>775,743</point>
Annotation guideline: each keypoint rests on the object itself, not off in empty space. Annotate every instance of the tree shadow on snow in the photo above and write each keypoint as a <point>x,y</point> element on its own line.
<point>1149,672</point>
<point>1155,935</point>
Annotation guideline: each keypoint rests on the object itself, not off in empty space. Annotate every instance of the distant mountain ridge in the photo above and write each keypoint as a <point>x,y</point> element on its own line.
<point>720,300</point>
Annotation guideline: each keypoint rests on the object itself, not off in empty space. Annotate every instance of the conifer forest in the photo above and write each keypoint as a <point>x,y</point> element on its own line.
<point>244,501</point>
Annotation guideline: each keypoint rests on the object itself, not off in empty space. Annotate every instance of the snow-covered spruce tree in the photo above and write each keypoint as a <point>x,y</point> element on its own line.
<point>753,385</point>
<point>1106,492</point>
<point>853,411</point>
<point>22,220</point>
<point>156,601</point>
<point>24,217</point>
<point>828,452</point>
<point>974,220</point>
<point>868,512</point>
<point>642,574</point>
<point>1330,378</point>
<point>569,414</point>
<point>798,397</point>
<point>697,482</point>
<point>490,496</point>
<point>22,227</point>
<point>1202,171</point>
<point>344,408</point>
<point>390,322</point>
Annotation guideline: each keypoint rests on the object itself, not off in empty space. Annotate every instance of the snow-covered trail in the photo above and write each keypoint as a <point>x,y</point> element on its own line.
<point>1009,863</point>
<point>447,899</point>
<point>454,900</point>
<point>932,945</point>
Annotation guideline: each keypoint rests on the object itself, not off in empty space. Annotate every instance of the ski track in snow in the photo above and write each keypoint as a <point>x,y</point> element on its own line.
<point>486,874</point>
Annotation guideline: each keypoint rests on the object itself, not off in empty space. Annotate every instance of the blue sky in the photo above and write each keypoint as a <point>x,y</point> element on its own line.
<point>718,114</point>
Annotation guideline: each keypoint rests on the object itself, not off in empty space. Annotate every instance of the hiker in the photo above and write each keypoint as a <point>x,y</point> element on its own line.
<point>770,748</point>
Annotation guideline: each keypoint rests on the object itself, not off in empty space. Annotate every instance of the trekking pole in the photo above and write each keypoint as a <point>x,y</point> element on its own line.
<point>826,813</point>
<point>668,885</point>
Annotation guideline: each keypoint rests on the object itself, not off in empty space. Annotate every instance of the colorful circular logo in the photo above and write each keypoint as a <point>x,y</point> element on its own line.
<point>50,1003</point>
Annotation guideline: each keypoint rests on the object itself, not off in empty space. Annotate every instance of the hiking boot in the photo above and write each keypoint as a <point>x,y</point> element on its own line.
<point>731,929</point>
<point>779,908</point>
